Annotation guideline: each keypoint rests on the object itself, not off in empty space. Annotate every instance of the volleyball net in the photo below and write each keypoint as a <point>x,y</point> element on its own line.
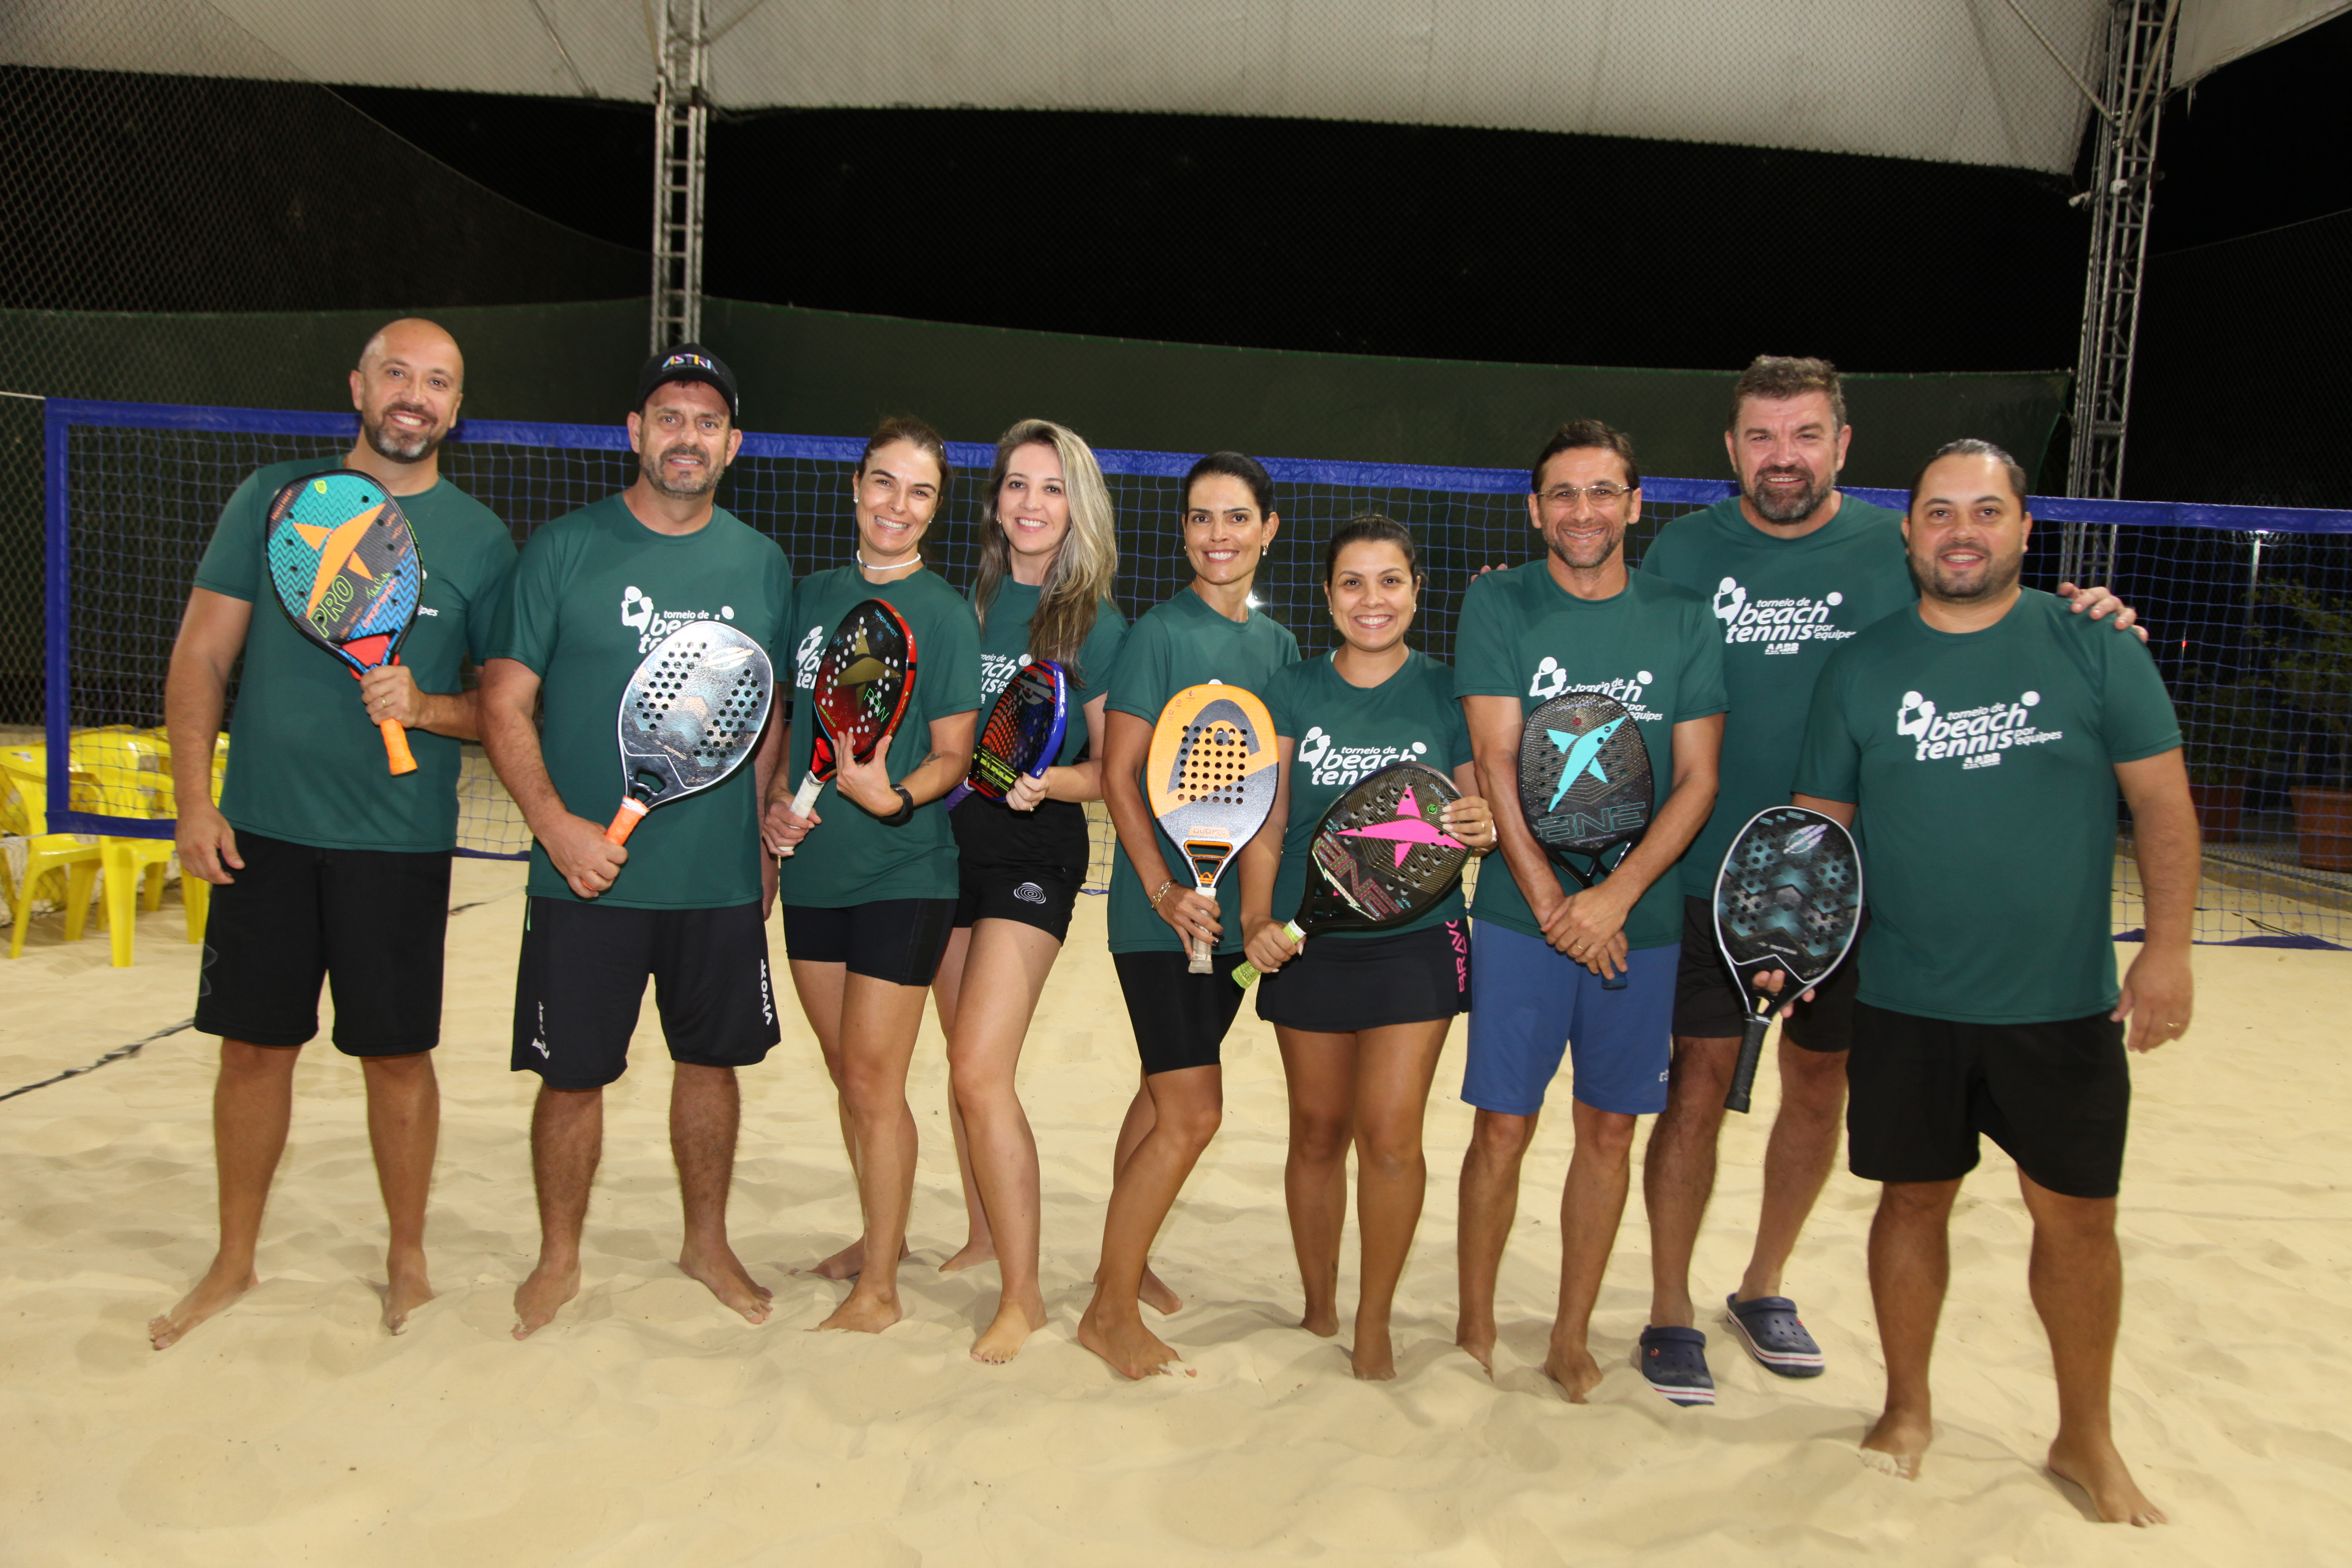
<point>2249,609</point>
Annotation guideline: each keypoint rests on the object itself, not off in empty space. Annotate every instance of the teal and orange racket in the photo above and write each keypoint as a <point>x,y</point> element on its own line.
<point>343,562</point>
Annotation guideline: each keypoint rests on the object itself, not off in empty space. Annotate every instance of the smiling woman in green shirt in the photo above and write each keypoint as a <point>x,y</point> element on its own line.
<point>1048,551</point>
<point>1360,1016</point>
<point>1207,632</point>
<point>868,884</point>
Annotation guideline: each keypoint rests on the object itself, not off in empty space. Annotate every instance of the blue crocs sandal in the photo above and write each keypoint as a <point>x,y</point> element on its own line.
<point>1769,1328</point>
<point>1673,1363</point>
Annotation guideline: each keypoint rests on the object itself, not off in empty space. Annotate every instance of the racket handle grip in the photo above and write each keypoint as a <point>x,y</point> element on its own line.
<point>1246,976</point>
<point>955,797</point>
<point>1751,1051</point>
<point>395,746</point>
<point>625,820</point>
<point>1200,965</point>
<point>805,797</point>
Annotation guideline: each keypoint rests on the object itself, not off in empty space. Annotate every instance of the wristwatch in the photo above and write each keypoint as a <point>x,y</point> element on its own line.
<point>904,814</point>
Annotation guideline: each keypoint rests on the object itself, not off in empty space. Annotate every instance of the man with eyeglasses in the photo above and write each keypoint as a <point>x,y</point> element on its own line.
<point>1556,966</point>
<point>1791,567</point>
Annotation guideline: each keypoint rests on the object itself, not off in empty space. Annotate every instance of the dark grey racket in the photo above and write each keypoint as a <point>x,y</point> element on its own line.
<point>1585,786</point>
<point>1789,898</point>
<point>690,717</point>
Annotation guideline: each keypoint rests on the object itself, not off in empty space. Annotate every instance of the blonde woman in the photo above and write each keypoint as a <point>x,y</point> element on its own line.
<point>1047,554</point>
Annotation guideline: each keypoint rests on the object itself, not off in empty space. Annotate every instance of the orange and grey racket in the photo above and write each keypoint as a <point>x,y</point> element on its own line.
<point>1210,778</point>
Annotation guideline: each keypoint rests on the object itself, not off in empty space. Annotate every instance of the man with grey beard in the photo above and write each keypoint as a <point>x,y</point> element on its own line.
<point>331,869</point>
<point>1792,567</point>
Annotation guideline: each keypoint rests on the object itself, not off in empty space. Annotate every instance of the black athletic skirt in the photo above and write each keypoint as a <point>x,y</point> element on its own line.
<point>1339,984</point>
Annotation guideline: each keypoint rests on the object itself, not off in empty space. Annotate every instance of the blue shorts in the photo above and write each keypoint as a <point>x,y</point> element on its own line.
<point>1529,1003</point>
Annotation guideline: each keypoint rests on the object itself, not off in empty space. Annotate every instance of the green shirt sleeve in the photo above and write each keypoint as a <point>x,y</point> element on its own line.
<point>1829,766</point>
<point>1482,642</point>
<point>534,615</point>
<point>232,563</point>
<point>1139,680</point>
<point>2136,720</point>
<point>486,600</point>
<point>958,641</point>
<point>1700,693</point>
<point>1457,739</point>
<point>1099,655</point>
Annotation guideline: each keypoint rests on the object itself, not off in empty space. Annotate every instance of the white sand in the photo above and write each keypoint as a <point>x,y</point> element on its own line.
<point>648,1426</point>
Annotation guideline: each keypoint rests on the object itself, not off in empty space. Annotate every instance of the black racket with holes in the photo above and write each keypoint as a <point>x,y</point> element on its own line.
<point>1585,785</point>
<point>690,717</point>
<point>1380,858</point>
<point>1789,898</point>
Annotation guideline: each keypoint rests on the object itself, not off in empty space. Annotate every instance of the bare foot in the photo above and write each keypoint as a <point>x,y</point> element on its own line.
<point>1132,1350</point>
<point>721,1270</point>
<point>1576,1373</point>
<point>1898,1443</point>
<point>2099,1470</point>
<point>540,1297</point>
<point>1478,1339</point>
<point>1371,1359</point>
<point>1015,1322</point>
<point>405,1288</point>
<point>864,1312</point>
<point>216,1290</point>
<point>1322,1325</point>
<point>980,1249</point>
<point>849,1262</point>
<point>1154,1293</point>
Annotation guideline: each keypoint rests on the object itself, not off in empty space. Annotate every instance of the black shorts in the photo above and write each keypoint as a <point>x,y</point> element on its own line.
<point>2057,1096</point>
<point>1179,1018</point>
<point>368,922</point>
<point>897,940</point>
<point>1708,1004</point>
<point>1339,984</point>
<point>582,980</point>
<point>1009,867</point>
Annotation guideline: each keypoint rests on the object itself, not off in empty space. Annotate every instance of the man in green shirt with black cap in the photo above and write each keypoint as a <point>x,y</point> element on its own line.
<point>331,869</point>
<point>1975,743</point>
<point>684,905</point>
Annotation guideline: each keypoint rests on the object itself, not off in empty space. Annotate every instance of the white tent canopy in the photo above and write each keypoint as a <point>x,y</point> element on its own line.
<point>1952,80</point>
<point>2215,31</point>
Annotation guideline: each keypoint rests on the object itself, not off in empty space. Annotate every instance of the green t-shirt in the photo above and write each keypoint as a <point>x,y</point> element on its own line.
<point>1171,647</point>
<point>1982,767</point>
<point>596,590</point>
<point>1783,605</point>
<point>1004,648</point>
<point>1342,734</point>
<point>853,858</point>
<point>304,762</point>
<point>1653,648</point>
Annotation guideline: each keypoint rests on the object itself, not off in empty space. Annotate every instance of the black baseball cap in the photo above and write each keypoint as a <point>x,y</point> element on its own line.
<point>688,361</point>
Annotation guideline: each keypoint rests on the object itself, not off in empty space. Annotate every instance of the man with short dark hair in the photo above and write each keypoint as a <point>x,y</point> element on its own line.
<point>1975,742</point>
<point>332,869</point>
<point>1547,953</point>
<point>684,904</point>
<point>1792,568</point>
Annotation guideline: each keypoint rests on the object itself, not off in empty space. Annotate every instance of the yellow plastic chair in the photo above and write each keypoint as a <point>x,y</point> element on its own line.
<point>196,893</point>
<point>133,772</point>
<point>25,771</point>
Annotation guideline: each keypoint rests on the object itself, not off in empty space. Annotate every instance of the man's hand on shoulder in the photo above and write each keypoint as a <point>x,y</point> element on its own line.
<point>2099,603</point>
<point>583,856</point>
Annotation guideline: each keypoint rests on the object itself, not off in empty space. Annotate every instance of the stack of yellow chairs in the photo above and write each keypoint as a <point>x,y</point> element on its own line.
<point>24,808</point>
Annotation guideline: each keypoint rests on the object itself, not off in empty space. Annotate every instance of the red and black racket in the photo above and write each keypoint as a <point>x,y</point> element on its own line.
<point>1380,858</point>
<point>690,716</point>
<point>1022,735</point>
<point>343,562</point>
<point>862,683</point>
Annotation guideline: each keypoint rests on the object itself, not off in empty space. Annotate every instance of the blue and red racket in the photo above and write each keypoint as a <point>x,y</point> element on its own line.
<point>1022,735</point>
<point>343,562</point>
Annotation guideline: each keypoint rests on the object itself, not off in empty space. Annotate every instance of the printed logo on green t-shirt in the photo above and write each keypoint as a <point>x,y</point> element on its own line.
<point>1550,680</point>
<point>996,672</point>
<point>1781,623</point>
<point>1979,735</point>
<point>1329,763</point>
<point>651,625</point>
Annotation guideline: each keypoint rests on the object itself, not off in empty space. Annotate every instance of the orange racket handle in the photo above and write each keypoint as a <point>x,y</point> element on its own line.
<point>625,820</point>
<point>395,746</point>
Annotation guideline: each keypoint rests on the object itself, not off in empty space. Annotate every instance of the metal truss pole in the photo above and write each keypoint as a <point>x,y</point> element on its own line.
<point>2123,179</point>
<point>681,140</point>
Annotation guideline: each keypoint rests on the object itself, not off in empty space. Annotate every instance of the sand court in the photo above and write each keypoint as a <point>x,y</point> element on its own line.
<point>648,1424</point>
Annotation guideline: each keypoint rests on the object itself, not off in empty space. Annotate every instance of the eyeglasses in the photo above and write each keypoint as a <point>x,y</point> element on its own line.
<point>1603,496</point>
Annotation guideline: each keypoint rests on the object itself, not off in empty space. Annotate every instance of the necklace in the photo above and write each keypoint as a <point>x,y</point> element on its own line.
<point>861,559</point>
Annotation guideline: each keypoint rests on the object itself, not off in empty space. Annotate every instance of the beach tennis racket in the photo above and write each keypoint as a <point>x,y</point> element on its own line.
<point>1022,735</point>
<point>1789,898</point>
<point>1585,786</point>
<point>863,682</point>
<point>690,717</point>
<point>1380,856</point>
<point>1210,778</point>
<point>343,563</point>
